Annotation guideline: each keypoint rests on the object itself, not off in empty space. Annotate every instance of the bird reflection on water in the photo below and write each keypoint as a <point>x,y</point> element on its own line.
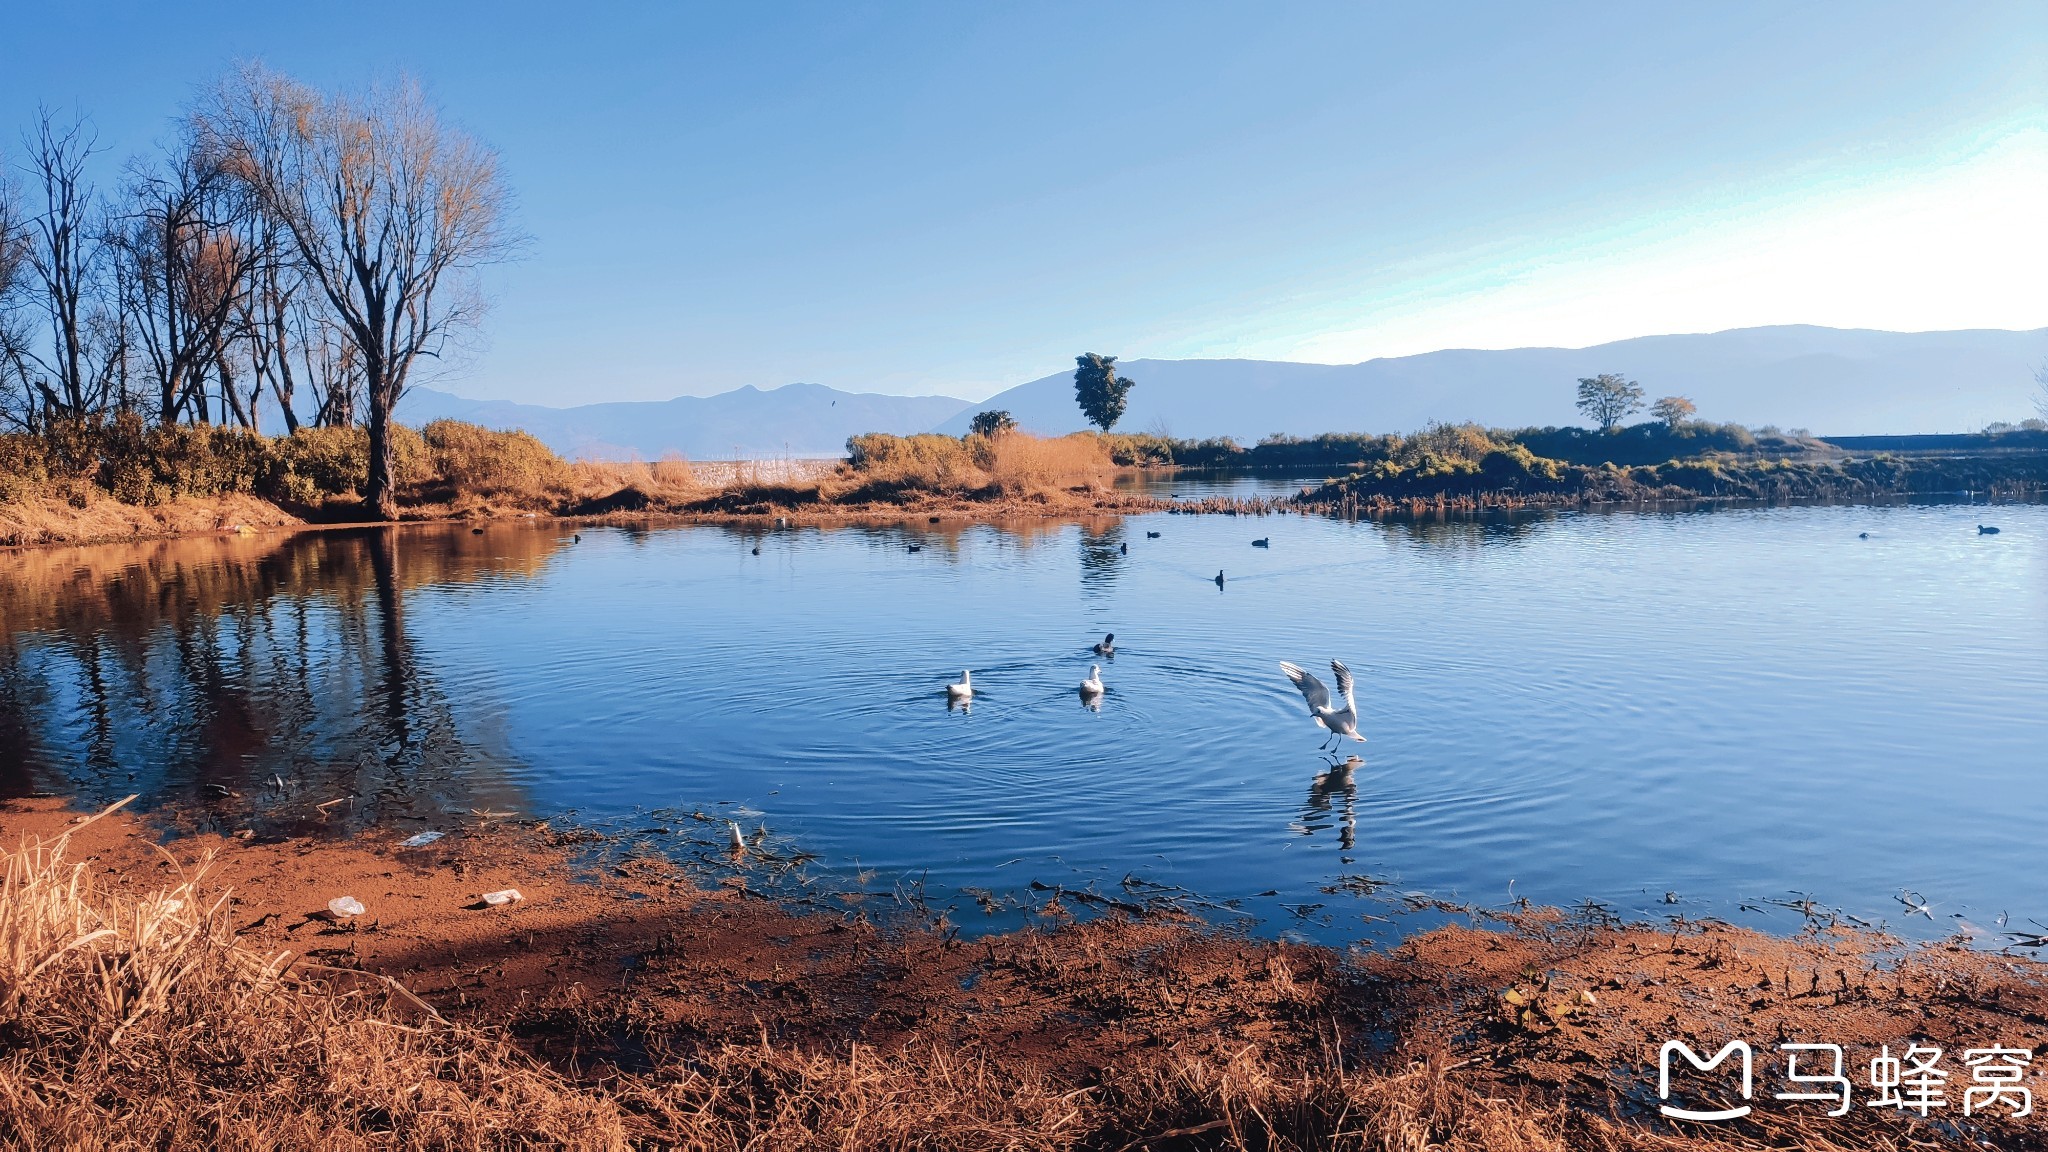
<point>1334,789</point>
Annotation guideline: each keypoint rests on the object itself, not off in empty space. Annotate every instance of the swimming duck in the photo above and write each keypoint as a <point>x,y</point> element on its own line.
<point>964,690</point>
<point>1107,647</point>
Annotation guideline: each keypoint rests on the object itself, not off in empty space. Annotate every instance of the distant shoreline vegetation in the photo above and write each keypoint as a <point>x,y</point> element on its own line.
<point>1468,463</point>
<point>124,477</point>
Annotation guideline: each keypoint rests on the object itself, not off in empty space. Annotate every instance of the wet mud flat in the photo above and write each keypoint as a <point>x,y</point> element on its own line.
<point>672,1000</point>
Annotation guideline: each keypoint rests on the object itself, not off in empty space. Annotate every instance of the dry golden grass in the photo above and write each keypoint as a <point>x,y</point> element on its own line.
<point>141,1023</point>
<point>1008,465</point>
<point>1019,463</point>
<point>667,481</point>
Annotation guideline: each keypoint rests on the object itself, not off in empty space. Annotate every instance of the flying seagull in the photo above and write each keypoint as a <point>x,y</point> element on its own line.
<point>1340,721</point>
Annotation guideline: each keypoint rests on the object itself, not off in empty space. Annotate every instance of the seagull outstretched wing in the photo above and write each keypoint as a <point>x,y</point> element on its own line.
<point>1343,684</point>
<point>1312,689</point>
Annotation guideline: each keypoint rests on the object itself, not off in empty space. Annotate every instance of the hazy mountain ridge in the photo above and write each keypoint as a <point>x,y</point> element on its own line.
<point>1830,380</point>
<point>1844,382</point>
<point>793,420</point>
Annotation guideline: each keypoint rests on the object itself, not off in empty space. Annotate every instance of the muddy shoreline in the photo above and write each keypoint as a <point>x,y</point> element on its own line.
<point>624,967</point>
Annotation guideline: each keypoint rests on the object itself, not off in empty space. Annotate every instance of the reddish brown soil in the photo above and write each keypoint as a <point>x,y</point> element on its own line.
<point>630,962</point>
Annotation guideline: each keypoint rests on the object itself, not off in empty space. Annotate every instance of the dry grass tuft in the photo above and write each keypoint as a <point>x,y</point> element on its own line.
<point>669,481</point>
<point>142,1023</point>
<point>1011,464</point>
<point>1020,464</point>
<point>927,1096</point>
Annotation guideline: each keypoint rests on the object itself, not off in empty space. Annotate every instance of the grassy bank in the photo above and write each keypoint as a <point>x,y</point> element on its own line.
<point>201,998</point>
<point>1469,466</point>
<point>120,479</point>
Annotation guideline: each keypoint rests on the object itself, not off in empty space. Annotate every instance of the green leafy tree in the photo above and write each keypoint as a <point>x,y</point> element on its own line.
<point>1673,410</point>
<point>1099,391</point>
<point>1608,399</point>
<point>992,423</point>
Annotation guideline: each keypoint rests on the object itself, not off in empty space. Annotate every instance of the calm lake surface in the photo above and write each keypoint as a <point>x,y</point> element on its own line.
<point>1728,705</point>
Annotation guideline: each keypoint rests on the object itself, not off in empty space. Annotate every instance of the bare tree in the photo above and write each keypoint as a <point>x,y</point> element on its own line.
<point>68,257</point>
<point>263,323</point>
<point>333,371</point>
<point>18,402</point>
<point>189,242</point>
<point>391,214</point>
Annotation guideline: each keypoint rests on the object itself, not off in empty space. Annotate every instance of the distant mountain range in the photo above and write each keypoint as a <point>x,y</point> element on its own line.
<point>793,420</point>
<point>1832,381</point>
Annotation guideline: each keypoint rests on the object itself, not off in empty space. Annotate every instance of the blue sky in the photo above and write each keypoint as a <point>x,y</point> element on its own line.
<point>959,197</point>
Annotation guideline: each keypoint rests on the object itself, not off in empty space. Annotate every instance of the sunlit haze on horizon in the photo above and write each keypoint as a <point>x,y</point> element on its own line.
<point>956,199</point>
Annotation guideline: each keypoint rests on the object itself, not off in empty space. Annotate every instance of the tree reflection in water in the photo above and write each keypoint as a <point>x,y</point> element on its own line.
<point>202,673</point>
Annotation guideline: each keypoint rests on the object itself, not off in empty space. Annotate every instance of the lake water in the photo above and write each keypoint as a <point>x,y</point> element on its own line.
<point>1728,705</point>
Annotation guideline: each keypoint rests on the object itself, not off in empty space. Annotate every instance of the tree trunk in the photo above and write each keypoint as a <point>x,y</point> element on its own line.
<point>284,385</point>
<point>382,499</point>
<point>230,400</point>
<point>173,397</point>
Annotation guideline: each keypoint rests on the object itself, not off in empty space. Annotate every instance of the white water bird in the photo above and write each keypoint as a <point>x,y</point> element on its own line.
<point>964,690</point>
<point>739,841</point>
<point>1108,646</point>
<point>1092,686</point>
<point>1341,722</point>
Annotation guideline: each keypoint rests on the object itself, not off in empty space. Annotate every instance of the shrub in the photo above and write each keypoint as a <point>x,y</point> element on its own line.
<point>315,464</point>
<point>472,460</point>
<point>24,466</point>
<point>140,464</point>
<point>926,461</point>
